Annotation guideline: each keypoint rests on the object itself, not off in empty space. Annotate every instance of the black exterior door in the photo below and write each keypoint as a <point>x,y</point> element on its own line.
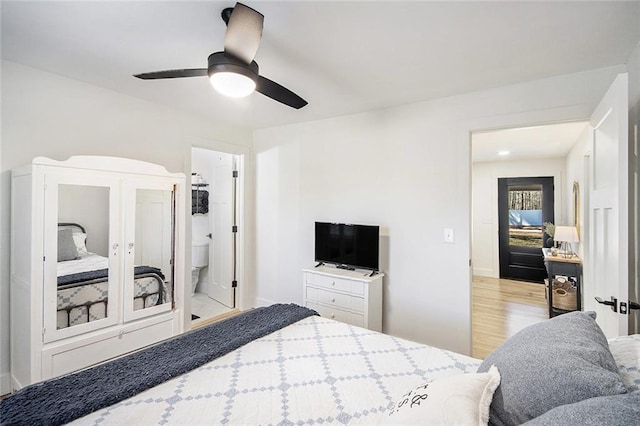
<point>524,205</point>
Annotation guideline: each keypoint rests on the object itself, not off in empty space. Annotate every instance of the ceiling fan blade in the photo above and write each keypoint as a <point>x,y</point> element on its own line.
<point>193,72</point>
<point>279,93</point>
<point>244,32</point>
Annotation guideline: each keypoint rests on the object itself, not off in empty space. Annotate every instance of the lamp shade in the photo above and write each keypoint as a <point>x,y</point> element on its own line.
<point>568,234</point>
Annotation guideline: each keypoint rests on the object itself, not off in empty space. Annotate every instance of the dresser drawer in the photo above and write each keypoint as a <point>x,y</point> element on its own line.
<point>337,314</point>
<point>336,299</point>
<point>338,284</point>
<point>61,358</point>
<point>353,297</point>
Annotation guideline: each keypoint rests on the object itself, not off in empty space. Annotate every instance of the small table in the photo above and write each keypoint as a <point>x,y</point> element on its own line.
<point>569,267</point>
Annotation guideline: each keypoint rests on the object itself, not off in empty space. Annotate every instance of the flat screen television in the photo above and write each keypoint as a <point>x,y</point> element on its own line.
<point>348,246</point>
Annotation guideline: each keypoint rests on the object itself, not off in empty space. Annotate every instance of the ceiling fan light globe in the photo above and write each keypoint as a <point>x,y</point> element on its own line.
<point>231,84</point>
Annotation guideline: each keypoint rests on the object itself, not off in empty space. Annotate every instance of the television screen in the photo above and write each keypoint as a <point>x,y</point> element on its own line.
<point>347,245</point>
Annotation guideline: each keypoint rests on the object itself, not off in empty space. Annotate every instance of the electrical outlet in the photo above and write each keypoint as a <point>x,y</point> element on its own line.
<point>448,236</point>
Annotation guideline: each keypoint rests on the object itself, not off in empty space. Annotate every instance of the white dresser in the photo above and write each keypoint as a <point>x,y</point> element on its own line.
<point>348,296</point>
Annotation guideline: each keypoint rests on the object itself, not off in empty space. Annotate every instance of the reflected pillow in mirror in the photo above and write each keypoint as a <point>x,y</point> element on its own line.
<point>66,246</point>
<point>80,239</point>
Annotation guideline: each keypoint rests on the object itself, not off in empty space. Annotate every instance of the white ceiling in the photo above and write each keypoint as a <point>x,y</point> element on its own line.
<point>342,57</point>
<point>526,143</point>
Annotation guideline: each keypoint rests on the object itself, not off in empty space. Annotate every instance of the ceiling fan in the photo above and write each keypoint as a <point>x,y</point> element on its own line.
<point>233,72</point>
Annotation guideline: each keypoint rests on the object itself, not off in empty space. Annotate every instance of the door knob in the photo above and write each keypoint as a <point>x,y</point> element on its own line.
<point>613,303</point>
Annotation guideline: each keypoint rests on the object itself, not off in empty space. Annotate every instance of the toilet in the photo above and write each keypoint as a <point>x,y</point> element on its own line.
<point>199,259</point>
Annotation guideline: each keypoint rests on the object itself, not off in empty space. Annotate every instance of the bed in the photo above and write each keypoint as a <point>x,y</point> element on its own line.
<point>286,365</point>
<point>82,293</point>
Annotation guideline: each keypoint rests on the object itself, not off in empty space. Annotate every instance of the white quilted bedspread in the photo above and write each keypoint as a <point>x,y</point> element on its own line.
<point>316,371</point>
<point>88,262</point>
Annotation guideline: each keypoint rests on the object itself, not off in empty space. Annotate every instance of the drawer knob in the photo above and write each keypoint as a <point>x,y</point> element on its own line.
<point>333,316</point>
<point>333,299</point>
<point>333,283</point>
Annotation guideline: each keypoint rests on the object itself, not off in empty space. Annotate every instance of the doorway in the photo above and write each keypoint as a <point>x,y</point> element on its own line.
<point>525,204</point>
<point>214,220</point>
<point>501,307</point>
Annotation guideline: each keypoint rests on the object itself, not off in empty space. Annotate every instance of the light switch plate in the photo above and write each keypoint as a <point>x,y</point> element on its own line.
<point>448,236</point>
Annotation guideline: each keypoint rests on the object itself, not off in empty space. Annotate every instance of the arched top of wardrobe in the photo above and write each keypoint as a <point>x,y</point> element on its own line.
<point>118,164</point>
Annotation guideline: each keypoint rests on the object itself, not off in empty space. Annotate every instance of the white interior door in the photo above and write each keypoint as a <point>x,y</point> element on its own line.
<point>222,248</point>
<point>607,262</point>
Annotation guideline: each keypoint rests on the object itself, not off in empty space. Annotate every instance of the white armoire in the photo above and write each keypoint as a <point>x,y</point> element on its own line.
<point>131,215</point>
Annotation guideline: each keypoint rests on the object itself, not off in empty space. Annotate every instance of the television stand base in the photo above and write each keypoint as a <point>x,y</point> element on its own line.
<point>319,264</point>
<point>347,267</point>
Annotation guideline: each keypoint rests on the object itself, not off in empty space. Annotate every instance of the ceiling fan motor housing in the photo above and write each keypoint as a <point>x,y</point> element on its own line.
<point>222,62</point>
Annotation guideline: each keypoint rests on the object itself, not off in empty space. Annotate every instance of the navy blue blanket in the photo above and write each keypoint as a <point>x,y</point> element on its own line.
<point>64,399</point>
<point>104,273</point>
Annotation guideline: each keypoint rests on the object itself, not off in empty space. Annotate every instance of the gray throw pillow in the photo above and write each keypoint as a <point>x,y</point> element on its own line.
<point>66,246</point>
<point>617,410</point>
<point>556,362</point>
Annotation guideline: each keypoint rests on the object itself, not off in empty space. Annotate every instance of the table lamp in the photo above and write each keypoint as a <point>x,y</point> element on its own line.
<point>566,235</point>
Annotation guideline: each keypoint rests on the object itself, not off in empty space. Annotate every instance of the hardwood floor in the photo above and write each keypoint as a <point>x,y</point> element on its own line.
<point>501,308</point>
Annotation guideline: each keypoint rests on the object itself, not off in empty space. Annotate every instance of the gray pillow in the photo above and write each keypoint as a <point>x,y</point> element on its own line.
<point>66,246</point>
<point>556,362</point>
<point>617,410</point>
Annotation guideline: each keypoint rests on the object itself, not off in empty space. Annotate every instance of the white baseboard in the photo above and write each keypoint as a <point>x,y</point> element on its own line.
<point>5,384</point>
<point>484,272</point>
<point>261,302</point>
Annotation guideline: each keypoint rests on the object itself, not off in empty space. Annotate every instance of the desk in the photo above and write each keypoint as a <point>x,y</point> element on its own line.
<point>569,267</point>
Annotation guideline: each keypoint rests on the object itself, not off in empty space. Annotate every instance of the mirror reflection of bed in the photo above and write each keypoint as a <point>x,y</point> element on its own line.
<point>84,268</point>
<point>83,281</point>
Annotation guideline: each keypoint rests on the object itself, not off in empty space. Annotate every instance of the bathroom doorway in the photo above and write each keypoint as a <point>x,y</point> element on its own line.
<point>214,229</point>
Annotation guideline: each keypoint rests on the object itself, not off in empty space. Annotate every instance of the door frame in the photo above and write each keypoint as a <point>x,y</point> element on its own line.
<point>503,122</point>
<point>244,291</point>
<point>582,112</point>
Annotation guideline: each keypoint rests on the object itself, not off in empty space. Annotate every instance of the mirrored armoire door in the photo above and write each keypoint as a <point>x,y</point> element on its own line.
<point>81,253</point>
<point>149,266</point>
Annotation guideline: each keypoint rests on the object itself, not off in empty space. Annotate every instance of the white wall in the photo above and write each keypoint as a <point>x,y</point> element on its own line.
<point>408,170</point>
<point>47,115</point>
<point>89,207</point>
<point>633,66</point>
<point>576,164</point>
<point>484,204</point>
